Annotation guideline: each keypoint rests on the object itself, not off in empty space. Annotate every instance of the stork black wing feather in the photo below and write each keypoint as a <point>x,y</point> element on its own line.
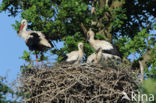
<point>33,41</point>
<point>111,51</point>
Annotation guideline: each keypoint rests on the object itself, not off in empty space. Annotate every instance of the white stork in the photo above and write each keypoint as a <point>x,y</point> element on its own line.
<point>107,48</point>
<point>35,40</point>
<point>106,56</point>
<point>75,56</point>
<point>95,57</point>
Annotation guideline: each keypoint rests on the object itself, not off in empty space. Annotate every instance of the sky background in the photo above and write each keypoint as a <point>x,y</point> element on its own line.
<point>11,46</point>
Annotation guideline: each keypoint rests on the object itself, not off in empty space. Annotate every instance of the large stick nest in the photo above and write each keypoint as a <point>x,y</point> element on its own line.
<point>84,83</point>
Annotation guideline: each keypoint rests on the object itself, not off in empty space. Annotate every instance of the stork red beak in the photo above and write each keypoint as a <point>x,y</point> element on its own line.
<point>21,27</point>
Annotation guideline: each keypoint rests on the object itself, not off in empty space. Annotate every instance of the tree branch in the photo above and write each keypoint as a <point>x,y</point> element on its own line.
<point>146,57</point>
<point>142,71</point>
<point>84,29</point>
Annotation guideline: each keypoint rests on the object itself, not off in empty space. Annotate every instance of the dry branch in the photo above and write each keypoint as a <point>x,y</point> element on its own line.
<point>84,83</point>
<point>84,29</point>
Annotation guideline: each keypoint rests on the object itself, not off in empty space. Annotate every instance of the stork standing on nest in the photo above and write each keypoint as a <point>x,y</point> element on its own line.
<point>108,50</point>
<point>75,56</point>
<point>35,40</point>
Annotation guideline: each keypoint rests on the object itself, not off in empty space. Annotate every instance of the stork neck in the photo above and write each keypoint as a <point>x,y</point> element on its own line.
<point>91,39</point>
<point>80,53</point>
<point>80,50</point>
<point>23,33</point>
<point>24,28</point>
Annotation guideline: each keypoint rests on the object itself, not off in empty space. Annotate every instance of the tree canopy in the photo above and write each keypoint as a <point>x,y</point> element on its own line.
<point>5,92</point>
<point>128,24</point>
<point>125,23</point>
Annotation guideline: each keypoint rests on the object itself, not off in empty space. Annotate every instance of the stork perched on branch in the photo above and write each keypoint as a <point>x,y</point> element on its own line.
<point>35,40</point>
<point>76,56</point>
<point>108,50</point>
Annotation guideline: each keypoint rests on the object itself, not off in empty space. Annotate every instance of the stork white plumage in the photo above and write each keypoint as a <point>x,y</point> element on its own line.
<point>95,57</point>
<point>109,56</point>
<point>93,10</point>
<point>107,48</point>
<point>75,56</point>
<point>35,40</point>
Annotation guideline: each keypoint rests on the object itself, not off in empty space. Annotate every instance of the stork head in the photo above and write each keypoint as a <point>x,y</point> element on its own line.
<point>23,24</point>
<point>99,50</point>
<point>80,45</point>
<point>90,34</point>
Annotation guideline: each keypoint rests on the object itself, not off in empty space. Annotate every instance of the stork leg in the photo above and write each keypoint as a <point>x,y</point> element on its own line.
<point>36,57</point>
<point>42,59</point>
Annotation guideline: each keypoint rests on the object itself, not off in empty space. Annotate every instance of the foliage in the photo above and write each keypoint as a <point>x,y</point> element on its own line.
<point>137,44</point>
<point>149,86</point>
<point>26,56</point>
<point>126,23</point>
<point>5,92</point>
<point>151,72</point>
